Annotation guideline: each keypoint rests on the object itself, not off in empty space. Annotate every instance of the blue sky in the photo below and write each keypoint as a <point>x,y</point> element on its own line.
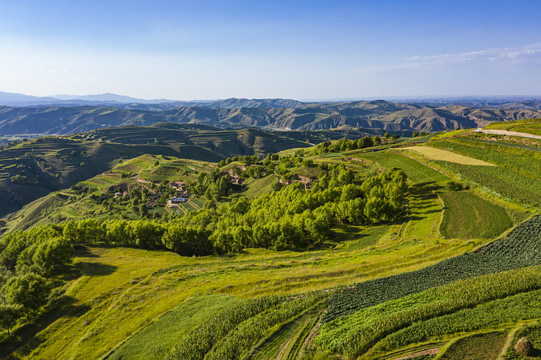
<point>255,49</point>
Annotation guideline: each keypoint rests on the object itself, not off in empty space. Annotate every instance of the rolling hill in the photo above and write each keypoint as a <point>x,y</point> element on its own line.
<point>31,169</point>
<point>456,275</point>
<point>378,116</point>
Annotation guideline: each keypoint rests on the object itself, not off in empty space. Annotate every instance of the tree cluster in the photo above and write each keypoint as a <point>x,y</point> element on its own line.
<point>213,185</point>
<point>291,218</point>
<point>27,261</point>
<point>245,159</point>
<point>345,145</point>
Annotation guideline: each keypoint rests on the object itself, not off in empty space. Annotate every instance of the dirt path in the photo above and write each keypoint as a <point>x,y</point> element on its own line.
<point>510,133</point>
<point>425,352</point>
<point>141,181</point>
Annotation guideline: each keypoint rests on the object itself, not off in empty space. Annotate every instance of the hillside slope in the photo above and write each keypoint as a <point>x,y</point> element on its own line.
<point>378,115</point>
<point>34,168</point>
<point>456,275</point>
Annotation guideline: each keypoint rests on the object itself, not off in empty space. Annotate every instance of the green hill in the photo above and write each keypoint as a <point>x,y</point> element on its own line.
<point>34,168</point>
<point>318,252</point>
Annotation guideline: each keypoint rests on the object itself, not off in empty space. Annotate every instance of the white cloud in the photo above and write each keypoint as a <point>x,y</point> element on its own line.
<point>495,54</point>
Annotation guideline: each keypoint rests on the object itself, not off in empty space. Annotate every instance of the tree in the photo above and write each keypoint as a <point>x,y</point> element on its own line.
<point>29,290</point>
<point>287,177</point>
<point>276,186</point>
<point>396,137</point>
<point>374,208</point>
<point>53,256</point>
<point>345,176</point>
<point>386,136</point>
<point>365,142</point>
<point>143,210</point>
<point>9,314</point>
<point>187,241</point>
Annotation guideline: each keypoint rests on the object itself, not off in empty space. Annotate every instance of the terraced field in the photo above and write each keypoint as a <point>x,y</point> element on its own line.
<point>515,178</point>
<point>416,171</point>
<point>467,216</point>
<point>531,126</point>
<point>159,337</point>
<point>444,155</point>
<point>480,346</point>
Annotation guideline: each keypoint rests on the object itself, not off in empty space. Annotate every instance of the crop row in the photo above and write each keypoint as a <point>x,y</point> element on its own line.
<point>201,340</point>
<point>512,309</point>
<point>467,216</point>
<point>232,333</point>
<point>527,162</point>
<point>241,340</point>
<point>520,249</point>
<point>416,172</point>
<point>516,177</point>
<point>353,335</point>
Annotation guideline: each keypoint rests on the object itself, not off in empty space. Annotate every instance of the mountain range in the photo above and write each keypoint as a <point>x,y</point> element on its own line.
<point>68,114</point>
<point>378,116</point>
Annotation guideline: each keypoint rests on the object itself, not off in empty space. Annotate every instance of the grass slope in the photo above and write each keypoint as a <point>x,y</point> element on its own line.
<point>34,168</point>
<point>476,347</point>
<point>160,336</point>
<point>530,126</point>
<point>402,287</point>
<point>467,216</point>
<point>416,171</point>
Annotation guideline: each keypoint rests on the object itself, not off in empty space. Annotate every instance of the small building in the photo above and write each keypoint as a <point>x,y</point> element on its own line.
<point>176,200</point>
<point>179,185</point>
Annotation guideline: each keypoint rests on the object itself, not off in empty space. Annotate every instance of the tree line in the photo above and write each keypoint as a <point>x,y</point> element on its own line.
<point>346,145</point>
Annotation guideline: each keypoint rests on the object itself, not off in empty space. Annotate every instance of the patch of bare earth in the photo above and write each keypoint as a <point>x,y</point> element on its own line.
<point>424,352</point>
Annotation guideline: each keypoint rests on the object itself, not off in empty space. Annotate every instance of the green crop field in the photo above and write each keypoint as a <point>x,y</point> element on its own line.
<point>416,171</point>
<point>466,216</point>
<point>481,346</point>
<point>158,338</point>
<point>515,178</point>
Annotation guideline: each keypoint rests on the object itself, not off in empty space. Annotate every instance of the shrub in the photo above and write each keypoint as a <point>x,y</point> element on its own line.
<point>524,347</point>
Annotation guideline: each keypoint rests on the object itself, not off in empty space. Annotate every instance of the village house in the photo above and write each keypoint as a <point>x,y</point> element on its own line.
<point>178,185</point>
<point>176,200</point>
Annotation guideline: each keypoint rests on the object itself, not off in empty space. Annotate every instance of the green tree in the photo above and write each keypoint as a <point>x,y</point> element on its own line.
<point>53,256</point>
<point>143,210</point>
<point>29,290</point>
<point>9,314</point>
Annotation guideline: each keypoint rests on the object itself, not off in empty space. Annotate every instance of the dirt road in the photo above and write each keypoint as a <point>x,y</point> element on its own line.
<point>510,133</point>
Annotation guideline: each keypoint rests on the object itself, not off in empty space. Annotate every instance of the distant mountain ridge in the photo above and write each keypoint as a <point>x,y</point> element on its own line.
<point>377,115</point>
<point>68,114</point>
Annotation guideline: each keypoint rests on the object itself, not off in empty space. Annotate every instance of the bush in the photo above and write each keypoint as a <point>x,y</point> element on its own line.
<point>524,347</point>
